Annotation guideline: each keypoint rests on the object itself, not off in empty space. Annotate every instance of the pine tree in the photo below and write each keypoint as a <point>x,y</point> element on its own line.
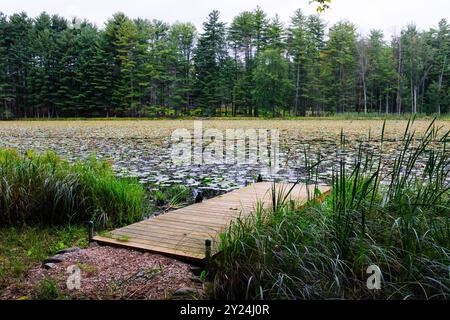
<point>49,68</point>
<point>18,57</point>
<point>88,97</point>
<point>275,34</point>
<point>418,58</point>
<point>5,90</point>
<point>341,67</point>
<point>162,65</point>
<point>210,56</point>
<point>438,97</point>
<point>297,47</point>
<point>242,37</point>
<point>43,69</point>
<point>112,30</point>
<point>102,76</point>
<point>272,85</point>
<point>314,83</point>
<point>261,25</point>
<point>124,97</point>
<point>182,37</point>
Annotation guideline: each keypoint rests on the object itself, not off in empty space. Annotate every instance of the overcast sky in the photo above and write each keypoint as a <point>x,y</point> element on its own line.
<point>388,15</point>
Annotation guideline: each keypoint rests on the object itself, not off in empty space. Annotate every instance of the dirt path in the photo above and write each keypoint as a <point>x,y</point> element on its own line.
<point>110,273</point>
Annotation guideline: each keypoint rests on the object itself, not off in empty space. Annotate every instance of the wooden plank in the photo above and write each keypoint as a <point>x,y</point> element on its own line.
<point>182,232</point>
<point>153,248</point>
<point>218,207</point>
<point>188,228</point>
<point>163,235</point>
<point>162,246</point>
<point>193,234</point>
<point>141,234</point>
<point>164,242</point>
<point>218,211</point>
<point>194,221</point>
<point>133,237</point>
<point>178,225</point>
<point>151,229</point>
<point>204,216</point>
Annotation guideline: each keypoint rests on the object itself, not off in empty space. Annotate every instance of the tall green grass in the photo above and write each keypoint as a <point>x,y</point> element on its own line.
<point>44,189</point>
<point>394,216</point>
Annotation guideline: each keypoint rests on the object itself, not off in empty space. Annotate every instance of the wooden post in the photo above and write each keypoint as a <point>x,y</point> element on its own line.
<point>90,225</point>
<point>208,244</point>
<point>199,197</point>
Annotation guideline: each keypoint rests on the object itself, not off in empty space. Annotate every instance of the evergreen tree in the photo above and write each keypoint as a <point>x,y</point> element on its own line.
<point>272,84</point>
<point>242,37</point>
<point>340,68</point>
<point>182,37</point>
<point>89,96</point>
<point>6,96</point>
<point>314,84</point>
<point>417,64</point>
<point>51,67</point>
<point>275,34</point>
<point>18,58</point>
<point>124,97</point>
<point>298,50</point>
<point>261,23</point>
<point>439,98</point>
<point>102,76</point>
<point>210,56</point>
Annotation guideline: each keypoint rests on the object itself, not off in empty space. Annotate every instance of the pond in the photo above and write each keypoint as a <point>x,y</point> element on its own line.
<point>142,149</point>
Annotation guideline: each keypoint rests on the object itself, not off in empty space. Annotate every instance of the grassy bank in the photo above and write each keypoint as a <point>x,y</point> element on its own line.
<point>45,202</point>
<point>44,189</point>
<point>396,219</point>
<point>23,247</point>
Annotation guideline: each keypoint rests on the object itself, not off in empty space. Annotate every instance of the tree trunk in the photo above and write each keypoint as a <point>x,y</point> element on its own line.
<point>365,93</point>
<point>415,99</point>
<point>441,76</point>
<point>297,91</point>
<point>379,103</point>
<point>400,82</point>
<point>387,103</point>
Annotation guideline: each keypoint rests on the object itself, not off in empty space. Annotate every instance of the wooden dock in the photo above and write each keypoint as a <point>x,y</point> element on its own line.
<point>182,233</point>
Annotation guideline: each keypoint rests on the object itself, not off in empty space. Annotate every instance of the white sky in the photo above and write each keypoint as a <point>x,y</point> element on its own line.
<point>388,15</point>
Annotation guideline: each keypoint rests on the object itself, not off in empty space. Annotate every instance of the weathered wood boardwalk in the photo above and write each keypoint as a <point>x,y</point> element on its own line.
<point>182,233</point>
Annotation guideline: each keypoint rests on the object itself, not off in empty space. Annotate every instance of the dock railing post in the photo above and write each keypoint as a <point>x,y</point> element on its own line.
<point>90,225</point>
<point>208,244</point>
<point>198,197</point>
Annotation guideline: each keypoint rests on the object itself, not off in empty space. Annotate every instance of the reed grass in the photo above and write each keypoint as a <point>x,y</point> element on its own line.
<point>396,217</point>
<point>47,190</point>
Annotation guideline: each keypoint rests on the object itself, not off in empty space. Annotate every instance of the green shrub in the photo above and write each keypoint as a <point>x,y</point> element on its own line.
<point>48,289</point>
<point>393,218</point>
<point>45,189</point>
<point>172,197</point>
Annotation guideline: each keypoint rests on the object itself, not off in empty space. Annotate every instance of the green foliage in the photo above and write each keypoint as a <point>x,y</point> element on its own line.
<point>172,197</point>
<point>23,247</point>
<point>47,190</point>
<point>322,5</point>
<point>137,68</point>
<point>210,57</point>
<point>271,84</point>
<point>340,66</point>
<point>48,289</point>
<point>322,250</point>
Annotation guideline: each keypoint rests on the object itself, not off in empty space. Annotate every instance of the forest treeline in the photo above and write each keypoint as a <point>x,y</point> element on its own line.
<point>254,66</point>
